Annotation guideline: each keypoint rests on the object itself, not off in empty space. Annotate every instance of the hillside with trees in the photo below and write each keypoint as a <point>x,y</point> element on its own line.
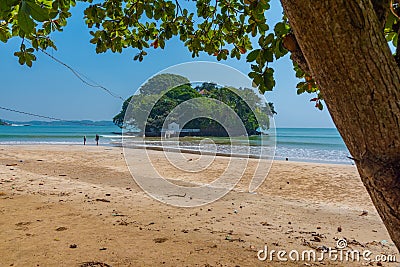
<point>153,86</point>
<point>252,110</point>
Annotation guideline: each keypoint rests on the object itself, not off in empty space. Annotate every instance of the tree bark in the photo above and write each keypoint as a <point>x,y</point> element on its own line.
<point>347,54</point>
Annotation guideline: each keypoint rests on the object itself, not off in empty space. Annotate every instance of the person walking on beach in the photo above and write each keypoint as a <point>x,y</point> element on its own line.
<point>97,139</point>
<point>84,140</point>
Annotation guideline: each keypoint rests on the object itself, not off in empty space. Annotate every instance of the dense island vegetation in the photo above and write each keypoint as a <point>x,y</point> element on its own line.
<point>251,109</point>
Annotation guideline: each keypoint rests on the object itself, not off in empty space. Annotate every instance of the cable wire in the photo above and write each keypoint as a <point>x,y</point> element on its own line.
<point>49,118</point>
<point>82,77</point>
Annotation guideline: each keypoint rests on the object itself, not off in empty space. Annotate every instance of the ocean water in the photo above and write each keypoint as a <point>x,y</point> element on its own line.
<point>67,135</point>
<point>312,145</point>
<point>297,144</point>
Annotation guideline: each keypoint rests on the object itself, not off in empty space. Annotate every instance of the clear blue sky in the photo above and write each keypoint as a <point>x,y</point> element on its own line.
<point>50,89</point>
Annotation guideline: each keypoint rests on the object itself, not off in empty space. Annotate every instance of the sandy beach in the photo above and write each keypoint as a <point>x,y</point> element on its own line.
<point>79,206</point>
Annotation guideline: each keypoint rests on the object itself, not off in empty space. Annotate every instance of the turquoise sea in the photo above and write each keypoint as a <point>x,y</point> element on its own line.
<point>311,145</point>
<point>297,144</point>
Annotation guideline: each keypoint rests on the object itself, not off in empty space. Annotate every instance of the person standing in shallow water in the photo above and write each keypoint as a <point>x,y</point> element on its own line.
<point>97,139</point>
<point>84,140</point>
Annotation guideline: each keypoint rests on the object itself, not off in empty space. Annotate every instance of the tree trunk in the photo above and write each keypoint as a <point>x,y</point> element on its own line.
<point>347,54</point>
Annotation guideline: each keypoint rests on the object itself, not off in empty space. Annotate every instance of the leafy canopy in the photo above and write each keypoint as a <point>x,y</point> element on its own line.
<point>222,28</point>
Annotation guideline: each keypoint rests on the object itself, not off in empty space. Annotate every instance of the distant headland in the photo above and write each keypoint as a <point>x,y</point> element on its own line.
<point>56,123</point>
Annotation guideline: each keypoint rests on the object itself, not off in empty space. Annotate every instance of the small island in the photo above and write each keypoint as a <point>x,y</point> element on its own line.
<point>145,113</point>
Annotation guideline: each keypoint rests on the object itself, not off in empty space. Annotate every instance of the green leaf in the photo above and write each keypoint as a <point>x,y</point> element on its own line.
<point>263,27</point>
<point>257,79</point>
<point>38,13</point>
<point>255,68</point>
<point>29,63</point>
<point>269,81</point>
<point>4,34</point>
<point>253,74</point>
<point>253,55</point>
<point>269,39</point>
<point>24,20</point>
<point>21,60</point>
<point>300,91</point>
<point>268,56</point>
<point>281,28</point>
